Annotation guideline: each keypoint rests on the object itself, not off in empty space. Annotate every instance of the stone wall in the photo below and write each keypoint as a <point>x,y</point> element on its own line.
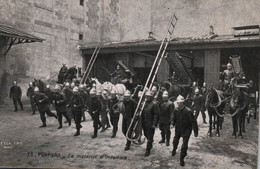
<point>59,22</point>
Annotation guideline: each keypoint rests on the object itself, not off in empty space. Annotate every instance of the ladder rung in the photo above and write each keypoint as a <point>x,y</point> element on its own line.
<point>173,25</point>
<point>175,17</point>
<point>170,32</point>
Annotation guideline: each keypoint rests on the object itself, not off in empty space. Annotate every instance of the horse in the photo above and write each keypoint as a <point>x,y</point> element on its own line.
<point>108,86</point>
<point>174,90</point>
<point>239,106</point>
<point>215,105</point>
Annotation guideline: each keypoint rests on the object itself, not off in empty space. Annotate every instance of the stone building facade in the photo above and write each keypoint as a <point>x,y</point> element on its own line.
<point>67,24</point>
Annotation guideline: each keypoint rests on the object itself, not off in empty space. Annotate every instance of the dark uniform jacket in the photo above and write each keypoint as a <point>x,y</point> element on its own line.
<point>184,122</point>
<point>30,92</point>
<point>130,107</point>
<point>63,69</point>
<point>60,102</point>
<point>49,93</point>
<point>166,112</point>
<point>150,115</point>
<point>15,92</point>
<point>68,94</point>
<point>111,104</point>
<point>198,102</point>
<point>85,97</point>
<point>95,105</point>
<point>76,103</point>
<point>42,102</point>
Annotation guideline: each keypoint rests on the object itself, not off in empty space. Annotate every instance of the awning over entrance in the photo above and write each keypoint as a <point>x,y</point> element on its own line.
<point>15,36</point>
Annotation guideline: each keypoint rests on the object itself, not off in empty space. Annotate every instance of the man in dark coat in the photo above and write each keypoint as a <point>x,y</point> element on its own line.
<point>84,94</point>
<point>77,105</point>
<point>117,75</point>
<point>149,120</point>
<point>105,102</point>
<point>204,92</point>
<point>30,94</point>
<point>130,106</point>
<point>184,121</point>
<point>114,115</point>
<point>165,114</point>
<point>16,95</point>
<point>49,93</point>
<point>71,73</point>
<point>62,73</point>
<point>60,105</point>
<point>42,103</point>
<point>68,94</point>
<point>95,107</point>
<point>198,104</point>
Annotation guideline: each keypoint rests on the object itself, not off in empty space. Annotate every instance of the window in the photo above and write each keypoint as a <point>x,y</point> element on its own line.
<point>80,36</point>
<point>81,2</point>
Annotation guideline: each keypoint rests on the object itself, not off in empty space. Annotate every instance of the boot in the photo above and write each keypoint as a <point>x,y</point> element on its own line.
<point>59,127</point>
<point>162,140</point>
<point>173,152</point>
<point>95,133</point>
<point>43,125</point>
<point>77,133</point>
<point>127,147</point>
<point>69,120</point>
<point>113,135</point>
<point>182,163</point>
<point>147,152</point>
<point>103,130</point>
<point>168,137</point>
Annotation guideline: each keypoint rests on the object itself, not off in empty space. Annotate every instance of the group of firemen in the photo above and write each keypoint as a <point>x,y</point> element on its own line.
<point>73,100</point>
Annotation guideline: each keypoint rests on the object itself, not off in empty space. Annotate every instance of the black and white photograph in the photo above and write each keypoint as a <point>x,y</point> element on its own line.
<point>129,84</point>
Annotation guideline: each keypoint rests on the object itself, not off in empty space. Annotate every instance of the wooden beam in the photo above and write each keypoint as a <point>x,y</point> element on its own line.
<point>145,54</point>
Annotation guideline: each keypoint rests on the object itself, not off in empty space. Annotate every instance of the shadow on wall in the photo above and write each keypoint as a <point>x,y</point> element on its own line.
<point>4,86</point>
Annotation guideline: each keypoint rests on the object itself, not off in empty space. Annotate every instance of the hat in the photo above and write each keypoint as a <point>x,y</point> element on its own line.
<point>113,92</point>
<point>47,86</point>
<point>84,85</point>
<point>229,65</point>
<point>154,88</point>
<point>92,91</point>
<point>15,82</point>
<point>67,84</point>
<point>81,86</point>
<point>57,87</point>
<point>197,90</point>
<point>72,84</point>
<point>36,89</point>
<point>75,89</point>
<point>31,83</point>
<point>149,93</point>
<point>179,99</point>
<point>165,94</point>
<point>127,93</point>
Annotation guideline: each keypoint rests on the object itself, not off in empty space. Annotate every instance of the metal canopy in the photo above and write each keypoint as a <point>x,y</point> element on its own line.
<point>15,36</point>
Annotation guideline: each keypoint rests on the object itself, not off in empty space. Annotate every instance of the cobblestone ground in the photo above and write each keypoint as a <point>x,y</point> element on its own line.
<point>23,144</point>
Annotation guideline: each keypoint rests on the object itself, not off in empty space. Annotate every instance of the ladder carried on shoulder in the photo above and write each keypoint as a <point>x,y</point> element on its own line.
<point>149,82</point>
<point>91,63</point>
